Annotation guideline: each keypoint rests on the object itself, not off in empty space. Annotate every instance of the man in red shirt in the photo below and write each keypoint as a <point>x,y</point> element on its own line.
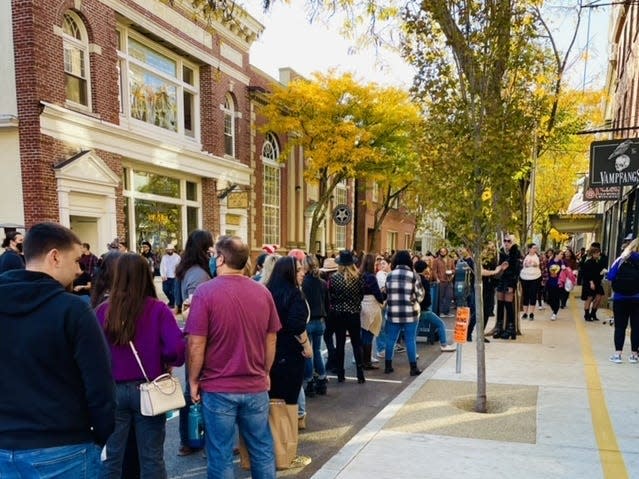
<point>232,328</point>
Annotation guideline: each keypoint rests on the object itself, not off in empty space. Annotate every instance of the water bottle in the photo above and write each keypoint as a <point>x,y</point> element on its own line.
<point>196,427</point>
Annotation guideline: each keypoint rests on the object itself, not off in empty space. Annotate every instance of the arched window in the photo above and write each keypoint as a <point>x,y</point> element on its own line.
<point>271,190</point>
<point>229,126</point>
<point>76,60</point>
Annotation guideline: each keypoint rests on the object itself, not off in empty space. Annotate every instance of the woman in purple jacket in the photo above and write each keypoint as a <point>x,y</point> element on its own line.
<point>134,313</point>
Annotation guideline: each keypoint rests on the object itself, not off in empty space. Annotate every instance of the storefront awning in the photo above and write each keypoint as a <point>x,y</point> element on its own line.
<point>576,223</point>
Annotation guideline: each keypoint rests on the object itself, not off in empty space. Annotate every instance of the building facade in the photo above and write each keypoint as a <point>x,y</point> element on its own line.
<point>621,217</point>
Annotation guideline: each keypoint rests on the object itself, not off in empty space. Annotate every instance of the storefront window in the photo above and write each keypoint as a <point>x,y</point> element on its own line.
<point>146,182</point>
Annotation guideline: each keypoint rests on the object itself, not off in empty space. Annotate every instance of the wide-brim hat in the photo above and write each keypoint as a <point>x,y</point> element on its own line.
<point>345,258</point>
<point>329,265</point>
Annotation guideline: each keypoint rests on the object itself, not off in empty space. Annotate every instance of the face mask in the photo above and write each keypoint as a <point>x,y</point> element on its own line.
<point>213,266</point>
<point>169,253</point>
<point>19,247</point>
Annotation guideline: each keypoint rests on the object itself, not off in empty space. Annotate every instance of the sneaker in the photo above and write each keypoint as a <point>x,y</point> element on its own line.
<point>541,307</point>
<point>615,358</point>
<point>448,348</point>
<point>300,461</point>
<point>448,315</point>
<point>525,316</point>
<point>633,358</point>
<point>374,359</point>
<point>532,316</point>
<point>400,349</point>
<point>381,354</point>
<point>553,317</point>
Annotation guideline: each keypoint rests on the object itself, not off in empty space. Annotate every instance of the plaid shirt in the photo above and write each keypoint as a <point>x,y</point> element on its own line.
<point>404,292</point>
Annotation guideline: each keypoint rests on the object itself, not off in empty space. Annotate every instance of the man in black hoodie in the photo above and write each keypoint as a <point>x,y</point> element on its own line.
<point>57,395</point>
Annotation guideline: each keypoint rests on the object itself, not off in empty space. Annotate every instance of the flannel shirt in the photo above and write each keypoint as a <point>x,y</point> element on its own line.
<point>404,291</point>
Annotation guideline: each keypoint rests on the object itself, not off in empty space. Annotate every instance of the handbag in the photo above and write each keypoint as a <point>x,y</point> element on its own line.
<point>568,285</point>
<point>162,394</point>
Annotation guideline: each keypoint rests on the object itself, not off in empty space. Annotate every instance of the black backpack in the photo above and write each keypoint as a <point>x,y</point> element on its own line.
<point>627,280</point>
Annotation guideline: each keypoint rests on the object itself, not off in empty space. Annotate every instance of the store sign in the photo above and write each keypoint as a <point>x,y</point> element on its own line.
<point>601,193</point>
<point>237,199</point>
<point>614,163</point>
<point>234,220</point>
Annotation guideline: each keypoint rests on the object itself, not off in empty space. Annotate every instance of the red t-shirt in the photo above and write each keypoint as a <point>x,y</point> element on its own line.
<point>235,313</point>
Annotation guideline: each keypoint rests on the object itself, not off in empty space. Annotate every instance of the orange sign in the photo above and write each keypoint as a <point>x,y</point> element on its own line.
<point>461,324</point>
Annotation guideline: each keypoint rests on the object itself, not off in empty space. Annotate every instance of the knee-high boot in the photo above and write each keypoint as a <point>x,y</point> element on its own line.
<point>511,331</point>
<point>499,322</point>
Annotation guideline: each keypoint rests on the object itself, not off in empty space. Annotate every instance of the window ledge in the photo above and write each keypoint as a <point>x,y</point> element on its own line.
<point>79,108</point>
<point>160,134</point>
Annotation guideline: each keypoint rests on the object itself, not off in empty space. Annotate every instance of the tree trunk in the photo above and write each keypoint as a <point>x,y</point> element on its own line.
<point>481,401</point>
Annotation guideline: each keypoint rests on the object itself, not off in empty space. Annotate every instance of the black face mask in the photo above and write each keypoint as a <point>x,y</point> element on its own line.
<point>169,253</point>
<point>19,247</point>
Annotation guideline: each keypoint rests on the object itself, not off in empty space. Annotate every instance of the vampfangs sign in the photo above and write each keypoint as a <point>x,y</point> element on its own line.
<point>614,162</point>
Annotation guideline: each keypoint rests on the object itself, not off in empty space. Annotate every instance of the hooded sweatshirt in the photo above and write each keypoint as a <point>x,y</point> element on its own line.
<point>56,387</point>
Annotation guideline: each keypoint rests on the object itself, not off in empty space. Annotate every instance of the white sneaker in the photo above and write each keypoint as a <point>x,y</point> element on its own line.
<point>553,317</point>
<point>374,359</point>
<point>615,358</point>
<point>449,348</point>
<point>540,308</point>
<point>633,358</point>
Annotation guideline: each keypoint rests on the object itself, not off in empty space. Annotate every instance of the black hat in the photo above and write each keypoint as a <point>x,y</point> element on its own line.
<point>629,237</point>
<point>345,258</point>
<point>146,243</point>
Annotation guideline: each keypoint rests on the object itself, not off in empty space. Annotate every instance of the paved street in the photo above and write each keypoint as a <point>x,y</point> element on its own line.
<point>332,420</point>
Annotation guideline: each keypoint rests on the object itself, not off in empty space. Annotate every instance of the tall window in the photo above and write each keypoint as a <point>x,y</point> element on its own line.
<point>75,42</point>
<point>391,240</point>
<point>340,199</point>
<point>157,86</point>
<point>229,126</point>
<point>271,202</point>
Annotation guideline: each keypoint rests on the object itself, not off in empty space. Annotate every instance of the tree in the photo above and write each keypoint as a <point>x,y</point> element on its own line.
<point>347,130</point>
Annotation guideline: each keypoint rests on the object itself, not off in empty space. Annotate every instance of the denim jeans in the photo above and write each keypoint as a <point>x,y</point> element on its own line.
<point>315,329</point>
<point>222,411</point>
<point>149,435</point>
<point>445,296</point>
<point>79,461</point>
<point>184,412</point>
<point>434,297</point>
<point>435,322</point>
<point>168,288</point>
<point>367,337</point>
<point>410,336</point>
<point>380,339</point>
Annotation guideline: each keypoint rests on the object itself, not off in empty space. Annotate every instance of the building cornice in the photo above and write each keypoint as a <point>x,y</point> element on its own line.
<point>87,133</point>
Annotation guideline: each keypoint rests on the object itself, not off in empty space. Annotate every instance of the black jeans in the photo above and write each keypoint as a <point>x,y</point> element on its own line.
<point>554,297</point>
<point>624,311</point>
<point>348,322</point>
<point>529,293</point>
<point>287,375</point>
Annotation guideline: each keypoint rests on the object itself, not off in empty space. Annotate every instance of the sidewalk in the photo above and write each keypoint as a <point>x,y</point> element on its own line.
<point>584,412</point>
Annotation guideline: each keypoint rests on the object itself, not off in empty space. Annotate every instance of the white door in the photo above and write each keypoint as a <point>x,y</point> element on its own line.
<point>87,230</point>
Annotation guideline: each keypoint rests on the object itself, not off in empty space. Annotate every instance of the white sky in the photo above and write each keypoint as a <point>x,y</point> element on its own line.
<point>290,41</point>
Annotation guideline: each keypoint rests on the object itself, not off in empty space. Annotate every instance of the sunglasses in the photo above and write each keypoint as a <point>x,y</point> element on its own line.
<point>508,241</point>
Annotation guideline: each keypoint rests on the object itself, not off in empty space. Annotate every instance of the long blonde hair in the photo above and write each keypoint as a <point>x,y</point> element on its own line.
<point>631,248</point>
<point>350,272</point>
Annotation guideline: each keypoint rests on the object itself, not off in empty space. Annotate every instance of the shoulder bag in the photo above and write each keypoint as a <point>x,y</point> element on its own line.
<point>162,394</point>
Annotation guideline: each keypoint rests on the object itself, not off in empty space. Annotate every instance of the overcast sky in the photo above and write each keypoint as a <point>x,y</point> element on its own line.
<point>290,41</point>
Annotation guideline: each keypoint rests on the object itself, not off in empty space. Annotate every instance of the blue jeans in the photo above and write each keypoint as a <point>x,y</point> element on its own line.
<point>315,329</point>
<point>410,337</point>
<point>367,337</point>
<point>79,461</point>
<point>380,340</point>
<point>149,435</point>
<point>434,297</point>
<point>222,411</point>
<point>168,288</point>
<point>435,322</point>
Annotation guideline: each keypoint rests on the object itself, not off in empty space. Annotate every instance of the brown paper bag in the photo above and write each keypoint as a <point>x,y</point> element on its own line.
<point>282,420</point>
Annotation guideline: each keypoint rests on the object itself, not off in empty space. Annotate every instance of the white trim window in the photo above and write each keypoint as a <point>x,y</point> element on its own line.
<point>158,88</point>
<point>341,198</point>
<point>391,240</point>
<point>271,190</point>
<point>229,125</point>
<point>75,41</point>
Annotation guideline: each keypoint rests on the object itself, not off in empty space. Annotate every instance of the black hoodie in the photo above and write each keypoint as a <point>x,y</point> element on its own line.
<point>56,387</point>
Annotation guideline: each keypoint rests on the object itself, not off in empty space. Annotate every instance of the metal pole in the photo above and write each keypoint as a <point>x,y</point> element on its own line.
<point>458,358</point>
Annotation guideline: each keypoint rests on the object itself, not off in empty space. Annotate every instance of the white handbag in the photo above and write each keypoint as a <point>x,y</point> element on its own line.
<point>162,394</point>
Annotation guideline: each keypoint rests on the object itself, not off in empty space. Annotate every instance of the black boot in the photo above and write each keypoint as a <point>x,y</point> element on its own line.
<point>413,370</point>
<point>360,375</point>
<point>340,376</point>
<point>320,386</point>
<point>593,315</point>
<point>587,315</point>
<point>499,322</point>
<point>366,357</point>
<point>388,366</point>
<point>510,331</point>
<point>309,390</point>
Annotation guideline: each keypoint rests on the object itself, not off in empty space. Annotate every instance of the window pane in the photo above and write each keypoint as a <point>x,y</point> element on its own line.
<point>74,60</point>
<point>159,223</point>
<point>153,99</point>
<point>188,114</point>
<point>145,182</point>
<point>271,204</point>
<point>152,58</point>
<point>187,75</point>
<point>191,218</point>
<point>125,178</point>
<point>191,191</point>
<point>76,89</point>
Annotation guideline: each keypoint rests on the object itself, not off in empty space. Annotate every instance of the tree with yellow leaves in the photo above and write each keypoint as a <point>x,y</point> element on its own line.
<point>347,129</point>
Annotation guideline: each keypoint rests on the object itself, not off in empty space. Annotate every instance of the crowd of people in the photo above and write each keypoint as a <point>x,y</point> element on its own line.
<point>82,333</point>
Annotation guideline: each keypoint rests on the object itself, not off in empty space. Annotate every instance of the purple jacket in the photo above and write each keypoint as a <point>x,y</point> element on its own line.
<point>158,340</point>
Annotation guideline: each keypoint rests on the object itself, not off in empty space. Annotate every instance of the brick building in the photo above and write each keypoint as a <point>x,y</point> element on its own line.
<point>131,118</point>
